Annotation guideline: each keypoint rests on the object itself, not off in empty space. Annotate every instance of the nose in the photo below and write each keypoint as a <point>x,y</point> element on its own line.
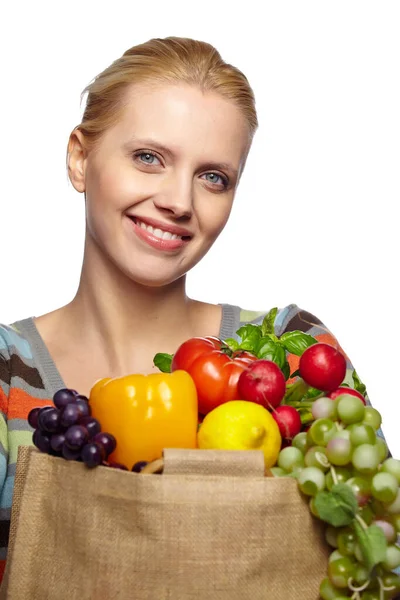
<point>176,197</point>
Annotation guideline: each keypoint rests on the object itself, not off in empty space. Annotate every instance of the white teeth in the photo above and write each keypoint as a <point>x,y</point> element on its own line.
<point>164,235</point>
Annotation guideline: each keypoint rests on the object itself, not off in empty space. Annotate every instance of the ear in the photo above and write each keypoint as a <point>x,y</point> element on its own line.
<point>77,156</point>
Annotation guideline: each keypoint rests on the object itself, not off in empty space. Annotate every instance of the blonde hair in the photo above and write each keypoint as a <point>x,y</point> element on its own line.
<point>163,60</point>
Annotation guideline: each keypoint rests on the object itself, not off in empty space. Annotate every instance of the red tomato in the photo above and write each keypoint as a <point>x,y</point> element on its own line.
<point>214,369</point>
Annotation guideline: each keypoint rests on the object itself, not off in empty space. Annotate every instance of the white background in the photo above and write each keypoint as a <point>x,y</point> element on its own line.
<point>315,220</point>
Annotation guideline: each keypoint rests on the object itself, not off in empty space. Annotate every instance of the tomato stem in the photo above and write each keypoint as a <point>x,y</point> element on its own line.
<point>225,349</point>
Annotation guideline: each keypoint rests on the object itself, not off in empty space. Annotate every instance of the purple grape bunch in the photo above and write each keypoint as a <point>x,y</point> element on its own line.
<point>68,430</point>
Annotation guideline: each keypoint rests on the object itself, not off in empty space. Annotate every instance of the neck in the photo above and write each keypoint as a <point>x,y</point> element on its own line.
<point>114,326</point>
<point>118,309</point>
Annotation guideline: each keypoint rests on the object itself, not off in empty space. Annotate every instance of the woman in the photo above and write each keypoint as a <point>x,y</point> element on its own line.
<point>158,156</point>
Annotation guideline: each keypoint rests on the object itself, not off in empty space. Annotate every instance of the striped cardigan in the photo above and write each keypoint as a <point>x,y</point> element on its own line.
<point>29,378</point>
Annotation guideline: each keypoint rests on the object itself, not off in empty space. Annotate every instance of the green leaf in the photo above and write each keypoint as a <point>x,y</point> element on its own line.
<point>268,324</point>
<point>270,336</point>
<point>296,342</point>
<point>313,393</point>
<point>295,374</point>
<point>250,336</point>
<point>265,346</point>
<point>270,350</point>
<point>358,385</point>
<point>337,507</point>
<point>232,343</point>
<point>163,362</point>
<point>373,544</point>
<point>295,391</point>
<point>286,370</point>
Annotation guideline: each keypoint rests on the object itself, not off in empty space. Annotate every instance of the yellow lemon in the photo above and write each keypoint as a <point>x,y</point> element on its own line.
<point>241,425</point>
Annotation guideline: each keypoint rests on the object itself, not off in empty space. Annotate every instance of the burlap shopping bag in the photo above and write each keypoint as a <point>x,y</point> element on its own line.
<point>210,527</point>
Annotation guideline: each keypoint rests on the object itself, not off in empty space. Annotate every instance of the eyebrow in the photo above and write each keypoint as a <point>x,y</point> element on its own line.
<point>161,148</point>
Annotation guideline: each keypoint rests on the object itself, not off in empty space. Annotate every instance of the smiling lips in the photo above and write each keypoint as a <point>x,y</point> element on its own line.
<point>160,235</point>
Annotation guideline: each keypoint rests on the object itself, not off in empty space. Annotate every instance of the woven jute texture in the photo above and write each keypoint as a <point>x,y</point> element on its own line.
<point>210,527</point>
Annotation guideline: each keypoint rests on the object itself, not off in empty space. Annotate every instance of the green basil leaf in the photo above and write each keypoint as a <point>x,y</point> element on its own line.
<point>373,544</point>
<point>286,370</point>
<point>268,324</point>
<point>163,362</point>
<point>295,374</point>
<point>270,336</point>
<point>337,507</point>
<point>358,385</point>
<point>232,343</point>
<point>270,350</point>
<point>296,342</point>
<point>265,346</point>
<point>250,336</point>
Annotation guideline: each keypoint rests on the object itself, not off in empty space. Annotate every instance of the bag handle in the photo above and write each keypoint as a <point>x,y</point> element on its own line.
<point>239,463</point>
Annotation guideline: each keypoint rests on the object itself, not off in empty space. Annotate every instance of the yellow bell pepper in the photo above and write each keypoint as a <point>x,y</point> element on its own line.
<point>147,413</point>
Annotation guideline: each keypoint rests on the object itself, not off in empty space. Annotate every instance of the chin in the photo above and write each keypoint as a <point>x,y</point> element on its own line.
<point>153,277</point>
<point>150,270</point>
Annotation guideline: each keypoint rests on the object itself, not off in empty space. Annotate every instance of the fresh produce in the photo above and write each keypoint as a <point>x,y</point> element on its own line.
<point>323,408</point>
<point>322,367</point>
<point>206,359</point>
<point>241,425</point>
<point>262,341</point>
<point>289,422</point>
<point>68,430</point>
<point>338,466</point>
<point>214,368</point>
<point>262,382</point>
<point>345,390</point>
<point>290,459</point>
<point>147,413</point>
<point>302,414</point>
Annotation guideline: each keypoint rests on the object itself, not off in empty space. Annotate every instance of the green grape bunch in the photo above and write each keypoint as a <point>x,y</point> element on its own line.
<point>343,466</point>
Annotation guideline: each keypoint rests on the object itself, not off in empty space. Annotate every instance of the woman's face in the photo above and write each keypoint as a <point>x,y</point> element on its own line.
<point>160,184</point>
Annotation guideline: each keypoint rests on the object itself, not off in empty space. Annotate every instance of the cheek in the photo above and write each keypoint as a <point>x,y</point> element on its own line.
<point>108,187</point>
<point>102,193</point>
<point>213,219</point>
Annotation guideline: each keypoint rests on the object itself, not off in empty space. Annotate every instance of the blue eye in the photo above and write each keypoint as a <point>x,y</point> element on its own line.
<point>148,155</point>
<point>224,180</point>
<point>149,160</point>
